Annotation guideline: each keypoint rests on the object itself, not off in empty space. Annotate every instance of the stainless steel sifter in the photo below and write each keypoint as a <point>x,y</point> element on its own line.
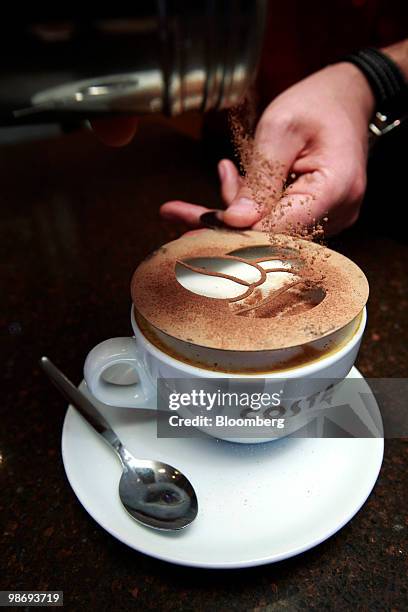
<point>164,56</point>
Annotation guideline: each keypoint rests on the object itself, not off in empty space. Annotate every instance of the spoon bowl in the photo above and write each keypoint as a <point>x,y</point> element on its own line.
<point>157,494</point>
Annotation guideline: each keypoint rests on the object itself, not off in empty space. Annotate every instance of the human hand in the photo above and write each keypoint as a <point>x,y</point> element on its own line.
<point>316,129</point>
<point>116,131</point>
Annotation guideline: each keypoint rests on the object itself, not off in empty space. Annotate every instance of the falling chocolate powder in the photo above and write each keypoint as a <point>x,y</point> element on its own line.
<point>266,180</point>
<point>269,187</point>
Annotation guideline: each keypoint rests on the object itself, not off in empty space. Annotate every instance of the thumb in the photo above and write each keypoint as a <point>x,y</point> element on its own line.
<point>233,190</point>
<point>274,151</point>
<point>243,211</point>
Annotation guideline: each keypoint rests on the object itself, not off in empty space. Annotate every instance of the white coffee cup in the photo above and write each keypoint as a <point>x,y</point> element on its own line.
<point>140,355</point>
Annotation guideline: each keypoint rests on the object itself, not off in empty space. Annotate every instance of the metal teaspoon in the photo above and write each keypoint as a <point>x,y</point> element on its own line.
<point>153,493</point>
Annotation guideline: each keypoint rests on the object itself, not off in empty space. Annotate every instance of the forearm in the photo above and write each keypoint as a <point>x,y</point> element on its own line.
<point>399,54</point>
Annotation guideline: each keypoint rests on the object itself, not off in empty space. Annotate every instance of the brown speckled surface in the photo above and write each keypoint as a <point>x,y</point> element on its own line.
<point>76,218</point>
<point>166,304</point>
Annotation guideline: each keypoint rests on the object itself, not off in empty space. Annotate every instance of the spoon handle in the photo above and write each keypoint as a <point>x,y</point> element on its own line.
<point>78,399</point>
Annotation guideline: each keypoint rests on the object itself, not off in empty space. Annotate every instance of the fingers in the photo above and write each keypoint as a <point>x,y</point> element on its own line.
<point>277,145</point>
<point>177,210</point>
<point>306,202</point>
<point>292,214</point>
<point>115,132</point>
<point>318,196</point>
<point>245,212</point>
<point>230,180</point>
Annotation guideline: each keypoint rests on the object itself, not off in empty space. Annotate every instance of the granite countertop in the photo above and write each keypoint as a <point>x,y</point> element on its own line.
<point>76,218</point>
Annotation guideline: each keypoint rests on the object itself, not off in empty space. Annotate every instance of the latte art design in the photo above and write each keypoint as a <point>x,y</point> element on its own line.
<point>256,296</point>
<point>235,291</point>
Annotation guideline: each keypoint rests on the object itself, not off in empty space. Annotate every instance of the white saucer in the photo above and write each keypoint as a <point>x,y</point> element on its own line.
<point>257,503</point>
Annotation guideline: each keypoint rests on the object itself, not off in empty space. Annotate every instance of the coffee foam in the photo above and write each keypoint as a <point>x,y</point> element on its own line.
<point>237,291</point>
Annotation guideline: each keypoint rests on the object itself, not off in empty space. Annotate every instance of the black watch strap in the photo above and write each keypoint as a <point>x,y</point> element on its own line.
<point>388,84</point>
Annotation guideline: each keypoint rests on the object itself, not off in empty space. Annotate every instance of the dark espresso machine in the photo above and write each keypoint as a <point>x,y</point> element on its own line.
<point>165,56</point>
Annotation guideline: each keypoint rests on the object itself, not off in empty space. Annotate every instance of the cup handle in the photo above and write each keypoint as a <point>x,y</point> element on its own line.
<point>117,351</point>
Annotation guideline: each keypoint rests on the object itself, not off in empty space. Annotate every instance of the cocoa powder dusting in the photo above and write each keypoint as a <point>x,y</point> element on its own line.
<point>267,181</point>
<point>269,185</point>
<point>320,296</point>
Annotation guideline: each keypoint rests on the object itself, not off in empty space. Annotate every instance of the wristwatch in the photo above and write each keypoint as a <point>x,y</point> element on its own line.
<point>388,85</point>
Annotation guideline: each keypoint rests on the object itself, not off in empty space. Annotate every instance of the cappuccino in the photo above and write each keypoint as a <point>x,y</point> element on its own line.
<point>233,302</point>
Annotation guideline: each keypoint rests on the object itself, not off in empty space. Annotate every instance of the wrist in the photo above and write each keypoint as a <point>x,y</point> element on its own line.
<point>388,84</point>
<point>359,88</point>
<point>399,54</point>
